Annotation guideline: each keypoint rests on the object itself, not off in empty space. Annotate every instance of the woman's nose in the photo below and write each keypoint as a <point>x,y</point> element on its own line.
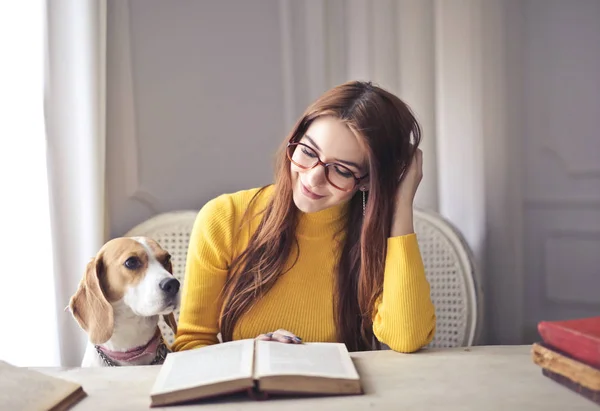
<point>316,176</point>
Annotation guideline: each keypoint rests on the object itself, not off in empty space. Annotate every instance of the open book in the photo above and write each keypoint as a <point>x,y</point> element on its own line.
<point>257,367</point>
<point>23,389</point>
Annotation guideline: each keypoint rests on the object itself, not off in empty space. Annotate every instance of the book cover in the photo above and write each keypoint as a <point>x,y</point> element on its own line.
<point>579,338</point>
<point>593,395</point>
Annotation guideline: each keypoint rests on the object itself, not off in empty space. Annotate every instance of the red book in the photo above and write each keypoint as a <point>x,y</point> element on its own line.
<point>580,338</point>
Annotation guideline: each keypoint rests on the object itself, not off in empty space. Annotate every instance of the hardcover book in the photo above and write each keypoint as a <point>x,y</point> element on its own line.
<point>23,389</point>
<point>579,338</point>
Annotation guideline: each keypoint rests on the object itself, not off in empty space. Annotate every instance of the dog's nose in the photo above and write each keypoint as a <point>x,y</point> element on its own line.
<point>170,286</point>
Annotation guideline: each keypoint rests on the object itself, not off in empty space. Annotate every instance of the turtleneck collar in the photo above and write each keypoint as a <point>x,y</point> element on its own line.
<point>322,223</point>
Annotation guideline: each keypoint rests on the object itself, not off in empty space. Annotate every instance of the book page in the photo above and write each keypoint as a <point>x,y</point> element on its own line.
<point>329,360</point>
<point>207,365</point>
<point>25,389</point>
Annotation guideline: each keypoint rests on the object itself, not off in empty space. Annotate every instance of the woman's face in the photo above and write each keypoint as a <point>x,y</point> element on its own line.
<point>331,141</point>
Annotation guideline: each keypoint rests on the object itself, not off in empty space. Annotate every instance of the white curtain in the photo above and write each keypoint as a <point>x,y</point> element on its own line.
<point>75,119</point>
<point>27,298</point>
<point>51,172</point>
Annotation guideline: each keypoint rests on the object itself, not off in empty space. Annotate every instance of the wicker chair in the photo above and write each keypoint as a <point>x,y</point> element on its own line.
<point>455,286</point>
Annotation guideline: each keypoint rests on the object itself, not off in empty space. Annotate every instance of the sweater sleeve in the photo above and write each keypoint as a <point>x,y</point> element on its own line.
<point>208,260</point>
<point>404,316</point>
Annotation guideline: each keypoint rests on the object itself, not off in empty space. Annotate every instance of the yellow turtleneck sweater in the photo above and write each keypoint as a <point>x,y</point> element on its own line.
<point>301,301</point>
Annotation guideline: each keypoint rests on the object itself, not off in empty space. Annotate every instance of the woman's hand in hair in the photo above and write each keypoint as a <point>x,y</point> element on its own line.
<point>412,178</point>
<point>280,336</point>
<point>402,222</point>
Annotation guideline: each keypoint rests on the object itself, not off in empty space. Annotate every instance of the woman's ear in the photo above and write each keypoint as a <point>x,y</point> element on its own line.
<point>364,183</point>
<point>89,306</point>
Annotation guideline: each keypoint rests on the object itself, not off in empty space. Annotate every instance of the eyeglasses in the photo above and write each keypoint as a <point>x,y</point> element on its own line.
<point>338,175</point>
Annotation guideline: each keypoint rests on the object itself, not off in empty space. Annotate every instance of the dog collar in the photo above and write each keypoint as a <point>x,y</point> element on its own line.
<point>155,346</point>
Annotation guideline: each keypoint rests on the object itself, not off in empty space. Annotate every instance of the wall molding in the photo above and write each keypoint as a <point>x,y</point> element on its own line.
<point>549,295</point>
<point>562,203</point>
<point>573,169</point>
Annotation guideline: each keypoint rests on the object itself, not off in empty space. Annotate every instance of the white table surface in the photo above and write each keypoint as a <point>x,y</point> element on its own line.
<point>477,378</point>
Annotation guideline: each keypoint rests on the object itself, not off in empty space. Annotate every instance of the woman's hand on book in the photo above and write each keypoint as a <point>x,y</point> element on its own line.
<point>280,336</point>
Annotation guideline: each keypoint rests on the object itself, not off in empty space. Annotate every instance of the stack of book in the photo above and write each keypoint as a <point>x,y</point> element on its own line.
<point>569,354</point>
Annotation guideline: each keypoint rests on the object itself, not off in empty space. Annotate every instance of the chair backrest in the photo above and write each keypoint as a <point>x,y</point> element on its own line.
<point>455,284</point>
<point>455,287</point>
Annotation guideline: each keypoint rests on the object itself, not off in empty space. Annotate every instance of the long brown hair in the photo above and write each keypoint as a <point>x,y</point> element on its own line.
<point>389,134</point>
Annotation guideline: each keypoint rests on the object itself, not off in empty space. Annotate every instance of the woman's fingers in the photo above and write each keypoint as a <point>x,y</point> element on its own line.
<point>263,337</point>
<point>285,337</point>
<point>280,335</point>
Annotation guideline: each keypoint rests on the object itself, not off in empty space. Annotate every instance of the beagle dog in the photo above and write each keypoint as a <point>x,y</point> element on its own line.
<point>124,290</point>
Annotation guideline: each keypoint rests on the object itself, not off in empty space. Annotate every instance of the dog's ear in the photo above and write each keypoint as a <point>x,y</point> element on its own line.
<point>169,265</point>
<point>170,320</point>
<point>89,305</point>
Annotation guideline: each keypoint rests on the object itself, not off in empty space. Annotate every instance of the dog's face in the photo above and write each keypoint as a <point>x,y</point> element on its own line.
<point>135,270</point>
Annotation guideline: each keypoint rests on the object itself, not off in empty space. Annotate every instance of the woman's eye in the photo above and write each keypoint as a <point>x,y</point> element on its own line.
<point>308,152</point>
<point>343,172</point>
<point>132,263</point>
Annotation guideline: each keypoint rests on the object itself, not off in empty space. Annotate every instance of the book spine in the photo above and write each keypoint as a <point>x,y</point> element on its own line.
<point>591,395</point>
<point>257,395</point>
<point>578,346</point>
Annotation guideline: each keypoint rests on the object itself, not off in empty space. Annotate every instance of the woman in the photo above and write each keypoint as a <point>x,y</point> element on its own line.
<point>328,252</point>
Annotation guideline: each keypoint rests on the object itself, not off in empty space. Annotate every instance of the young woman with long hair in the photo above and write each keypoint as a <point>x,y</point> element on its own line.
<point>328,252</point>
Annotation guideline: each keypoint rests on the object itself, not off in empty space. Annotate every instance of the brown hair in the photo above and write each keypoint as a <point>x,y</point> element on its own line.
<point>390,134</point>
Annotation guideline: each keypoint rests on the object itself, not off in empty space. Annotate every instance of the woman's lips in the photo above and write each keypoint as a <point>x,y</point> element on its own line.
<point>309,193</point>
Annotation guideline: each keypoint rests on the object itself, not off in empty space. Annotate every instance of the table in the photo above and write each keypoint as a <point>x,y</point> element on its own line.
<point>476,378</point>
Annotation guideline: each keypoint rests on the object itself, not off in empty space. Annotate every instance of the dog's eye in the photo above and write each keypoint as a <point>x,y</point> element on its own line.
<point>167,261</point>
<point>132,263</point>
